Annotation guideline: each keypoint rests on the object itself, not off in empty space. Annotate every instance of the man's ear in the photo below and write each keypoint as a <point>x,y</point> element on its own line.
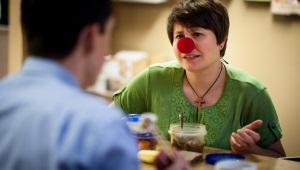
<point>87,38</point>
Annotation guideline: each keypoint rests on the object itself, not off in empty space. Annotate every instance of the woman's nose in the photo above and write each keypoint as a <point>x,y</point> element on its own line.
<point>185,45</point>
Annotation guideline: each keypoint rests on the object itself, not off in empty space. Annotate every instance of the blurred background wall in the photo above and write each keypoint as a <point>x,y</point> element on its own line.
<point>265,45</point>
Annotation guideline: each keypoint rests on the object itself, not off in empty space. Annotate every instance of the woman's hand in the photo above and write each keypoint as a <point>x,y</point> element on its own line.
<point>245,139</point>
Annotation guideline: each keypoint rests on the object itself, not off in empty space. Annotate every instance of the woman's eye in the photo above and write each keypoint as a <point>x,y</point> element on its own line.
<point>197,34</point>
<point>179,36</point>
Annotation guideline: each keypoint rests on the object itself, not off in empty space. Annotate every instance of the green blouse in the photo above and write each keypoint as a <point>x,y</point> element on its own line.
<point>159,89</point>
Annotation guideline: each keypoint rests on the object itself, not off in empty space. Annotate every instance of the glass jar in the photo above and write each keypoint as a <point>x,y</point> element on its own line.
<point>189,138</point>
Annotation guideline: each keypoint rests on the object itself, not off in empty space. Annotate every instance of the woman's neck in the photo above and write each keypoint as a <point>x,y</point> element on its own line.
<point>203,79</point>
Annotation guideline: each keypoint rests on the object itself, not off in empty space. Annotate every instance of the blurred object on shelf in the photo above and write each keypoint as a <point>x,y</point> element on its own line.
<point>131,63</point>
<point>154,59</point>
<point>285,7</point>
<point>118,70</point>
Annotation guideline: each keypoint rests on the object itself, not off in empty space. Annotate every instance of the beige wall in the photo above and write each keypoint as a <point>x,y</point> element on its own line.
<point>142,27</point>
<point>258,42</point>
<point>264,45</point>
<point>15,50</point>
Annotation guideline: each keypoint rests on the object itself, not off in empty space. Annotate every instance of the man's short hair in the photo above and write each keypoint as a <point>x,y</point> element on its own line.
<point>51,27</point>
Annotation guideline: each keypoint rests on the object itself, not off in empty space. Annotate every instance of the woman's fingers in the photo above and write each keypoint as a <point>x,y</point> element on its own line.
<point>235,144</point>
<point>254,125</point>
<point>239,140</point>
<point>255,136</point>
<point>245,137</point>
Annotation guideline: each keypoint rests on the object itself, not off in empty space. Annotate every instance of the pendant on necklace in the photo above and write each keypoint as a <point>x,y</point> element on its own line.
<point>199,101</point>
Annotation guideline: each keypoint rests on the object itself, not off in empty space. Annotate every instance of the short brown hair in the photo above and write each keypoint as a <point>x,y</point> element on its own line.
<point>208,14</point>
<point>51,27</point>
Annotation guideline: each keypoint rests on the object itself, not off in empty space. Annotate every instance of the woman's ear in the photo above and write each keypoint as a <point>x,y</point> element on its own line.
<point>222,44</point>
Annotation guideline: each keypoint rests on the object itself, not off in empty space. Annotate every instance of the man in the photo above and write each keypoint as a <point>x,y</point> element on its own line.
<point>46,120</point>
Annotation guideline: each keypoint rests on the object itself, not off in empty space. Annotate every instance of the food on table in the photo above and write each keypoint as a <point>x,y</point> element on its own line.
<point>189,138</point>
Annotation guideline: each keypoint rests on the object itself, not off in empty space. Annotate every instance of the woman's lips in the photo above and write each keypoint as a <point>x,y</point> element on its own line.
<point>190,57</point>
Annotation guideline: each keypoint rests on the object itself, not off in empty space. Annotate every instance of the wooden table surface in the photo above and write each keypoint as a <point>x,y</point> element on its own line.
<point>263,162</point>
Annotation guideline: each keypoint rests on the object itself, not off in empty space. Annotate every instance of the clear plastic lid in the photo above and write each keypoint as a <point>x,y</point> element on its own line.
<point>188,129</point>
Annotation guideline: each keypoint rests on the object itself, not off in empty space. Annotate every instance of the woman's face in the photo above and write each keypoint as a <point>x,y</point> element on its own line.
<point>206,52</point>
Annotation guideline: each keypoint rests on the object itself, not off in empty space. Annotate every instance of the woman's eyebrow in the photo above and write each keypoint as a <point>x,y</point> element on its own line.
<point>178,32</point>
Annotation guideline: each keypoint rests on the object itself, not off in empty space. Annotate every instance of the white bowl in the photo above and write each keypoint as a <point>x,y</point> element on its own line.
<point>233,164</point>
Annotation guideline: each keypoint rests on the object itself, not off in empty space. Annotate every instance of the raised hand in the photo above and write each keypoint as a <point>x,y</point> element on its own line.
<point>244,140</point>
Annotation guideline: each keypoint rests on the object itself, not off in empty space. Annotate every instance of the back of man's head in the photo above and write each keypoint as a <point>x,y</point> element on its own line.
<point>51,27</point>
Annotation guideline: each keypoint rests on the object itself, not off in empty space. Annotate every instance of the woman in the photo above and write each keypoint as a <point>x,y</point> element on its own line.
<point>234,106</point>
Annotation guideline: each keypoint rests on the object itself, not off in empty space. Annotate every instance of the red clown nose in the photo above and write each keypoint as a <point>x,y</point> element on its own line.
<point>185,45</point>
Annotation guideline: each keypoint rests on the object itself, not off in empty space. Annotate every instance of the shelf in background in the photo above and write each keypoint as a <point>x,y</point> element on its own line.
<point>259,0</point>
<point>143,1</point>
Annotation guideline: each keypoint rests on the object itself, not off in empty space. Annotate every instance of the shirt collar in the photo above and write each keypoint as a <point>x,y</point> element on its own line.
<point>41,66</point>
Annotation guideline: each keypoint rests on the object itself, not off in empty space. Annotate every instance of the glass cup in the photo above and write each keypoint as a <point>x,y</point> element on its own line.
<point>189,138</point>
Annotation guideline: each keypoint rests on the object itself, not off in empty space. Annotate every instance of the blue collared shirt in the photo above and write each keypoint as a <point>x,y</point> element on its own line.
<point>48,122</point>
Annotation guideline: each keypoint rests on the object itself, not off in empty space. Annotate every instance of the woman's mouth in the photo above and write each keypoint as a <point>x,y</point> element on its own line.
<point>190,57</point>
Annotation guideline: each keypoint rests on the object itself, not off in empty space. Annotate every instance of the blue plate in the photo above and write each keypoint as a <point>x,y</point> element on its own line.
<point>215,157</point>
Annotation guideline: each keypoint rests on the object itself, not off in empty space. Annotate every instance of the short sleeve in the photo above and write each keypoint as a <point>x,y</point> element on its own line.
<point>133,97</point>
<point>263,108</point>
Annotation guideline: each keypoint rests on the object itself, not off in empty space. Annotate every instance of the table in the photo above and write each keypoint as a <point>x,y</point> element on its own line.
<point>263,162</point>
